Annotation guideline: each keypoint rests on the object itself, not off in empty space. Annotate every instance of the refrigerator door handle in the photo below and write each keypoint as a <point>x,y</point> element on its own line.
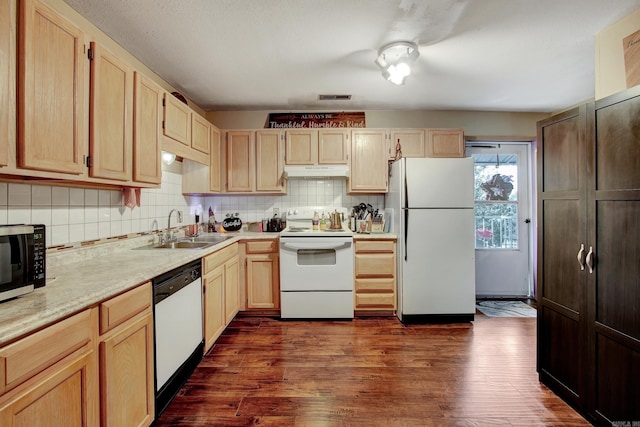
<point>406,231</point>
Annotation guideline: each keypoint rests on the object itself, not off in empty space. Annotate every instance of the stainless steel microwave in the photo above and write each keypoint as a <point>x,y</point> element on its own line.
<point>22,259</point>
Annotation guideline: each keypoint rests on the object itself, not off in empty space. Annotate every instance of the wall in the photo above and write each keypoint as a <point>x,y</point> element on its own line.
<point>73,215</point>
<point>474,123</point>
<point>77,214</point>
<point>300,192</point>
<point>609,53</point>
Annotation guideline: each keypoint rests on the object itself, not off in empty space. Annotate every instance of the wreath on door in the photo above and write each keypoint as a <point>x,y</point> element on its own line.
<point>499,187</point>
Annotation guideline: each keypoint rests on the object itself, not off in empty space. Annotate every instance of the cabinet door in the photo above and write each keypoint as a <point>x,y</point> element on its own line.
<point>263,278</point>
<point>177,120</point>
<point>214,302</point>
<point>7,78</point>
<point>333,147</point>
<point>147,122</point>
<point>127,376</point>
<point>215,166</point>
<point>110,116</point>
<point>269,159</point>
<point>240,161</point>
<point>302,147</point>
<point>368,162</point>
<point>409,141</point>
<point>614,237</point>
<point>231,289</point>
<point>562,229</point>
<point>445,143</point>
<point>200,133</point>
<point>66,395</point>
<point>51,82</point>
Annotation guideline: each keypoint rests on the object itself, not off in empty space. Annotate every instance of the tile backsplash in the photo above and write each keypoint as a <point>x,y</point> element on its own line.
<point>77,214</point>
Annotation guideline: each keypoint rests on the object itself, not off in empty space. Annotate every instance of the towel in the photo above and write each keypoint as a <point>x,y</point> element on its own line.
<point>131,197</point>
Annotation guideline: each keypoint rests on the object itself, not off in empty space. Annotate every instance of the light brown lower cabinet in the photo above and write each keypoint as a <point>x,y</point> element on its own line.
<point>262,274</point>
<point>94,368</point>
<point>50,378</point>
<point>375,275</point>
<point>127,392</point>
<point>220,271</point>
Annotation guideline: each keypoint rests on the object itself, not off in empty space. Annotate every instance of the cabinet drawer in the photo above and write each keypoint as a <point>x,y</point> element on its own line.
<point>123,307</point>
<point>375,245</point>
<point>33,354</point>
<point>372,264</point>
<point>368,285</point>
<point>211,261</point>
<point>376,301</point>
<point>261,246</point>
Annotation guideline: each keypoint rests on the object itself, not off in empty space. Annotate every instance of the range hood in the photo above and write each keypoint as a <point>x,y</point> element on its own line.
<point>316,171</point>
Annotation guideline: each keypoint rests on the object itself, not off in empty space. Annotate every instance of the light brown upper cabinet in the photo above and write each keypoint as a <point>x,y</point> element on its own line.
<point>369,170</point>
<point>7,78</point>
<point>333,146</point>
<point>269,167</point>
<point>177,120</point>
<point>240,161</point>
<point>51,85</point>
<point>409,141</point>
<point>110,116</point>
<point>255,162</point>
<point>200,133</point>
<point>313,146</point>
<point>147,121</point>
<point>301,147</point>
<point>215,165</point>
<point>445,143</point>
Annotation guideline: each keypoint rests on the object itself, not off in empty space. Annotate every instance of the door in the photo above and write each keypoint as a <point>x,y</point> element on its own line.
<point>51,88</point>
<point>502,219</point>
<point>110,116</point>
<point>438,277</point>
<point>438,183</point>
<point>147,121</point>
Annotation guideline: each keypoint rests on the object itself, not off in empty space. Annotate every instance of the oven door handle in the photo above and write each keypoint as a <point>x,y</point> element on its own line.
<point>301,246</point>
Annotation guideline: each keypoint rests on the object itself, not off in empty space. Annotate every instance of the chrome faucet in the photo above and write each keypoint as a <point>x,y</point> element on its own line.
<point>168,236</point>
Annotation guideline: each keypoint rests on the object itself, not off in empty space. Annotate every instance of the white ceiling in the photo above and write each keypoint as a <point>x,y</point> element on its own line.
<point>497,55</point>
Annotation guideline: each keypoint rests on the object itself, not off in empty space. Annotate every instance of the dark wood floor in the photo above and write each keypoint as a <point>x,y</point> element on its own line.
<point>370,372</point>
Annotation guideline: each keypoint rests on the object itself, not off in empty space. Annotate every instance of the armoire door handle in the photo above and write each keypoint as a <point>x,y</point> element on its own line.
<point>590,256</point>
<point>580,257</point>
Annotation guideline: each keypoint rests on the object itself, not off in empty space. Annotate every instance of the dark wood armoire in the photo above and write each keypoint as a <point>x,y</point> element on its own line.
<point>589,257</point>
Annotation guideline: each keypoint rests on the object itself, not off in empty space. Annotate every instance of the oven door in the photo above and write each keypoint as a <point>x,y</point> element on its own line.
<point>316,263</point>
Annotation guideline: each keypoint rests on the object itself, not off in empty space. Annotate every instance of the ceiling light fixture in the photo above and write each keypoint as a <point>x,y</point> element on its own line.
<point>396,59</point>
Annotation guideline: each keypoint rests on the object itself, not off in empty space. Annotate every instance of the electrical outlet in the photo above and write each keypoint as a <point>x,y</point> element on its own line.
<point>276,211</point>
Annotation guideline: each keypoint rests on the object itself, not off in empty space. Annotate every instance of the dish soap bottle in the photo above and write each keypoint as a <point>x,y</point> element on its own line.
<point>315,220</point>
<point>323,222</point>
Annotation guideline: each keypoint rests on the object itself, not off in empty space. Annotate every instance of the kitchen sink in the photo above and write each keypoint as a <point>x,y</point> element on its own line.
<point>182,244</point>
<point>196,242</point>
<point>209,239</point>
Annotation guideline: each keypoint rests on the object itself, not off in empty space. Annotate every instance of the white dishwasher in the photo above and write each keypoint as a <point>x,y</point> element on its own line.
<point>179,338</point>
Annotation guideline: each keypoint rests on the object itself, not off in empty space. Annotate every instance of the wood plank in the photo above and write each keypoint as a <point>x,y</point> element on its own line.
<point>370,372</point>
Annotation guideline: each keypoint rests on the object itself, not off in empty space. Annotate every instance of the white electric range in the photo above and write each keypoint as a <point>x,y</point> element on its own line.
<point>316,267</point>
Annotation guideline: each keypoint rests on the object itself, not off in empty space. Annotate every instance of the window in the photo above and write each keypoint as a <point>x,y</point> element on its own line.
<point>496,200</point>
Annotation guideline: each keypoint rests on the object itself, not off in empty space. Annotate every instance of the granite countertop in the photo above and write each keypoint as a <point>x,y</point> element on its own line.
<point>81,278</point>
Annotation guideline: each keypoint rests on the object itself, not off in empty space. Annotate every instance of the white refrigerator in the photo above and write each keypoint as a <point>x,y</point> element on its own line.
<point>432,202</point>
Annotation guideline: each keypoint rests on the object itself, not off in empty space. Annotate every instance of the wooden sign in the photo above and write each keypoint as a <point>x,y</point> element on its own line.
<point>631,46</point>
<point>315,120</point>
